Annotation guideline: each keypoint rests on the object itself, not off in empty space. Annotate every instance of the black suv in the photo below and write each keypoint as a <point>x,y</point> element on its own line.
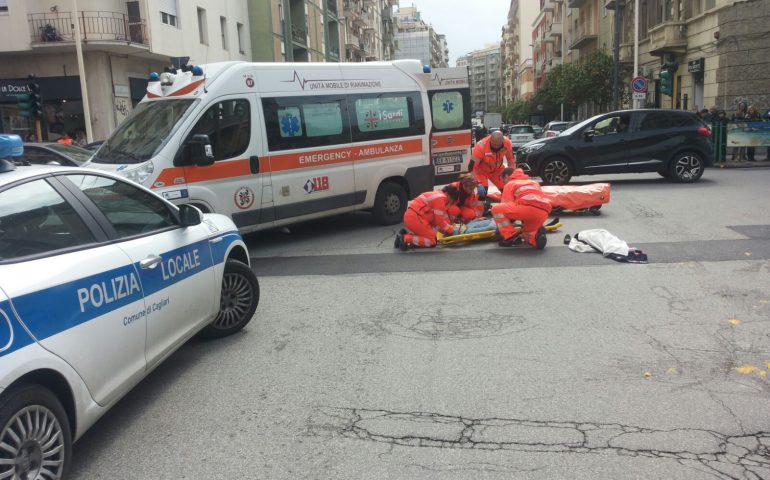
<point>674,143</point>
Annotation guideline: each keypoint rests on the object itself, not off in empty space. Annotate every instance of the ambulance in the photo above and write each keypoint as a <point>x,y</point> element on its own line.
<point>271,144</point>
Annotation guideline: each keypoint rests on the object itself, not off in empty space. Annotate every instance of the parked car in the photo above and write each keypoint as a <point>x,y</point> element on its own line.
<point>100,280</point>
<point>674,143</point>
<point>520,134</point>
<point>94,146</point>
<point>538,131</point>
<point>553,129</point>
<point>55,154</point>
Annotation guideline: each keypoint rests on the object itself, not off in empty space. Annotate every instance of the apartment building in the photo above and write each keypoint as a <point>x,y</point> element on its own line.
<point>485,78</point>
<point>518,69</point>
<point>296,30</point>
<point>418,40</point>
<point>547,42</point>
<point>369,30</point>
<point>716,48</point>
<point>122,42</point>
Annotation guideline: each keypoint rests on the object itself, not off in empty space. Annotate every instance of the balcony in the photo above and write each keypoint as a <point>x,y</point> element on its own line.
<point>352,42</point>
<point>547,5</point>
<point>387,14</point>
<point>393,2</point>
<point>105,28</point>
<point>331,8</point>
<point>553,32</point>
<point>584,36</point>
<point>669,37</point>
<point>298,35</point>
<point>333,55</point>
<point>610,4</point>
<point>576,3</point>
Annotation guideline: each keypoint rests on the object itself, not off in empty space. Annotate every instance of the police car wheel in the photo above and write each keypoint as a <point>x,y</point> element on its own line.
<point>239,300</point>
<point>389,204</point>
<point>35,435</point>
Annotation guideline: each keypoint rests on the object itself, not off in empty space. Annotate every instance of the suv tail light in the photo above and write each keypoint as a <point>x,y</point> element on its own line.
<point>704,131</point>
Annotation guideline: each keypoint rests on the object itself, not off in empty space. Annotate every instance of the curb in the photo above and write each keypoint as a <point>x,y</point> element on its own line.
<point>743,164</point>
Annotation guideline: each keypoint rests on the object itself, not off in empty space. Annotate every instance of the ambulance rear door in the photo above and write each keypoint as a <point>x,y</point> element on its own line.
<point>450,106</point>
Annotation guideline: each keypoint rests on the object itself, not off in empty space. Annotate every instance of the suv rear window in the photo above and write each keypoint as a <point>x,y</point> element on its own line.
<point>662,120</point>
<point>524,129</point>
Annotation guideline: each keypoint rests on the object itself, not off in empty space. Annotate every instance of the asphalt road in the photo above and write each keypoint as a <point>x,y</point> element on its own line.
<point>477,362</point>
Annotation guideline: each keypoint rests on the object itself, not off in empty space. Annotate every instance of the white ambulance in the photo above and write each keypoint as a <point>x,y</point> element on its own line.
<point>271,144</point>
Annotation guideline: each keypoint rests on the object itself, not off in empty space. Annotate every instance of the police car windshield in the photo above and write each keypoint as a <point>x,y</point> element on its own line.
<point>143,134</point>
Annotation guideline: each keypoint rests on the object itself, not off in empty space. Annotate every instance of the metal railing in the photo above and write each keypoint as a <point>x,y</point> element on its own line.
<point>299,34</point>
<point>94,26</point>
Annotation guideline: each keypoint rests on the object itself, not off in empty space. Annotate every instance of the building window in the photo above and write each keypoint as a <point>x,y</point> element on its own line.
<point>202,27</point>
<point>168,12</point>
<point>223,29</point>
<point>239,27</point>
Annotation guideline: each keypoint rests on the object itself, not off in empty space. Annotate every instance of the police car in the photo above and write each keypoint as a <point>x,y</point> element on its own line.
<point>100,280</point>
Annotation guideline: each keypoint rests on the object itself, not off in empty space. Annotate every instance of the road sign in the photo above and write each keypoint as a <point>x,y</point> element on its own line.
<point>639,84</point>
<point>639,95</point>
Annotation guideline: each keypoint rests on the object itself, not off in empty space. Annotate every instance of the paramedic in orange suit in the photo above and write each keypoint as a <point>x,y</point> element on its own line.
<point>522,200</point>
<point>488,163</point>
<point>425,215</point>
<point>469,207</point>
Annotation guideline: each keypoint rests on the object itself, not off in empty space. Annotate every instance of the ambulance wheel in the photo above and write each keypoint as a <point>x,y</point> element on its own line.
<point>556,171</point>
<point>239,300</point>
<point>389,204</point>
<point>35,435</point>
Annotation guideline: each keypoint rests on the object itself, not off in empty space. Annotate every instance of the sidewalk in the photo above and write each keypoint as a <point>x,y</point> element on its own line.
<point>761,157</point>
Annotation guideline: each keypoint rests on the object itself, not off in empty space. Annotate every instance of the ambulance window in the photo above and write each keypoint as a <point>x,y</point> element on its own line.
<point>129,210</point>
<point>228,126</point>
<point>387,115</point>
<point>290,122</point>
<point>303,122</point>
<point>35,219</point>
<point>447,110</point>
<point>323,119</point>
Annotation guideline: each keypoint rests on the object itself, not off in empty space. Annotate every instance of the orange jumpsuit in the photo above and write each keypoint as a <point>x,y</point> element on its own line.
<point>488,164</point>
<point>470,209</point>
<point>522,200</point>
<point>425,215</point>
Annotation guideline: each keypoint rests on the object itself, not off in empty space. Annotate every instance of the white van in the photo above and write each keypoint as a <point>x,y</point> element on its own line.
<point>271,144</point>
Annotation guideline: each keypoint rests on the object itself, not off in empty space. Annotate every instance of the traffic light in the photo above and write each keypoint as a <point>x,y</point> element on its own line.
<point>666,80</point>
<point>31,104</point>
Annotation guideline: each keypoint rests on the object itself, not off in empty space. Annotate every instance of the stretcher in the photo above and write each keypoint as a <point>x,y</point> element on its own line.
<point>488,234</point>
<point>572,198</point>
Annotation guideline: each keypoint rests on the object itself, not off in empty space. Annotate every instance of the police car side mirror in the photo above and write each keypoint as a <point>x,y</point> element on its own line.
<point>189,216</point>
<point>201,153</point>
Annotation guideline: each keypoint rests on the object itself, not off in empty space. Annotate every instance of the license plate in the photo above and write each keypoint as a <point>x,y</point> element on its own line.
<point>447,159</point>
<point>440,169</point>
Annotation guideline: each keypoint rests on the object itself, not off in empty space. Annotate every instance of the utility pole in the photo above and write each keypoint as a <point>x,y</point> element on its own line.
<point>616,69</point>
<point>636,44</point>
<point>82,73</point>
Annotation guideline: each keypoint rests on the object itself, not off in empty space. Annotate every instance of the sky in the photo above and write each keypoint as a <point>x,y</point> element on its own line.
<point>468,25</point>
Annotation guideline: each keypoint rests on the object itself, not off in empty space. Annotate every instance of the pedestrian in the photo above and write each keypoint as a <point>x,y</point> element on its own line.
<point>488,156</point>
<point>425,215</point>
<point>522,200</point>
<point>740,116</point>
<point>752,115</point>
<point>469,207</point>
<point>720,131</point>
<point>704,114</point>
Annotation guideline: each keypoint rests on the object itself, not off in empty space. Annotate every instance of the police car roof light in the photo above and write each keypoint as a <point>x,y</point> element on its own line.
<point>197,70</point>
<point>11,146</point>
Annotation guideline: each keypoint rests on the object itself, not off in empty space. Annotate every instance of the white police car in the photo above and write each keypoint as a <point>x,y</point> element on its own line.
<point>100,280</point>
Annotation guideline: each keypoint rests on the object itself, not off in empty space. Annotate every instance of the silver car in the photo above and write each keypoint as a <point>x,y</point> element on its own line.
<point>520,134</point>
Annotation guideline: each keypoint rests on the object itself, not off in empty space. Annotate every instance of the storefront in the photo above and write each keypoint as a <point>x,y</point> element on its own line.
<point>62,108</point>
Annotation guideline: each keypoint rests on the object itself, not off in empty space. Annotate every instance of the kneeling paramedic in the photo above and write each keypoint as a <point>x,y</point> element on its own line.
<point>523,200</point>
<point>425,215</point>
<point>469,207</point>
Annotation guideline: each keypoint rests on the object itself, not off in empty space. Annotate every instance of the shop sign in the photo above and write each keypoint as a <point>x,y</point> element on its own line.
<point>695,66</point>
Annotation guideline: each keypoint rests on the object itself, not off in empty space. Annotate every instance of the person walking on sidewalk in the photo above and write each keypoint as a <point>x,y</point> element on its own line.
<point>740,116</point>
